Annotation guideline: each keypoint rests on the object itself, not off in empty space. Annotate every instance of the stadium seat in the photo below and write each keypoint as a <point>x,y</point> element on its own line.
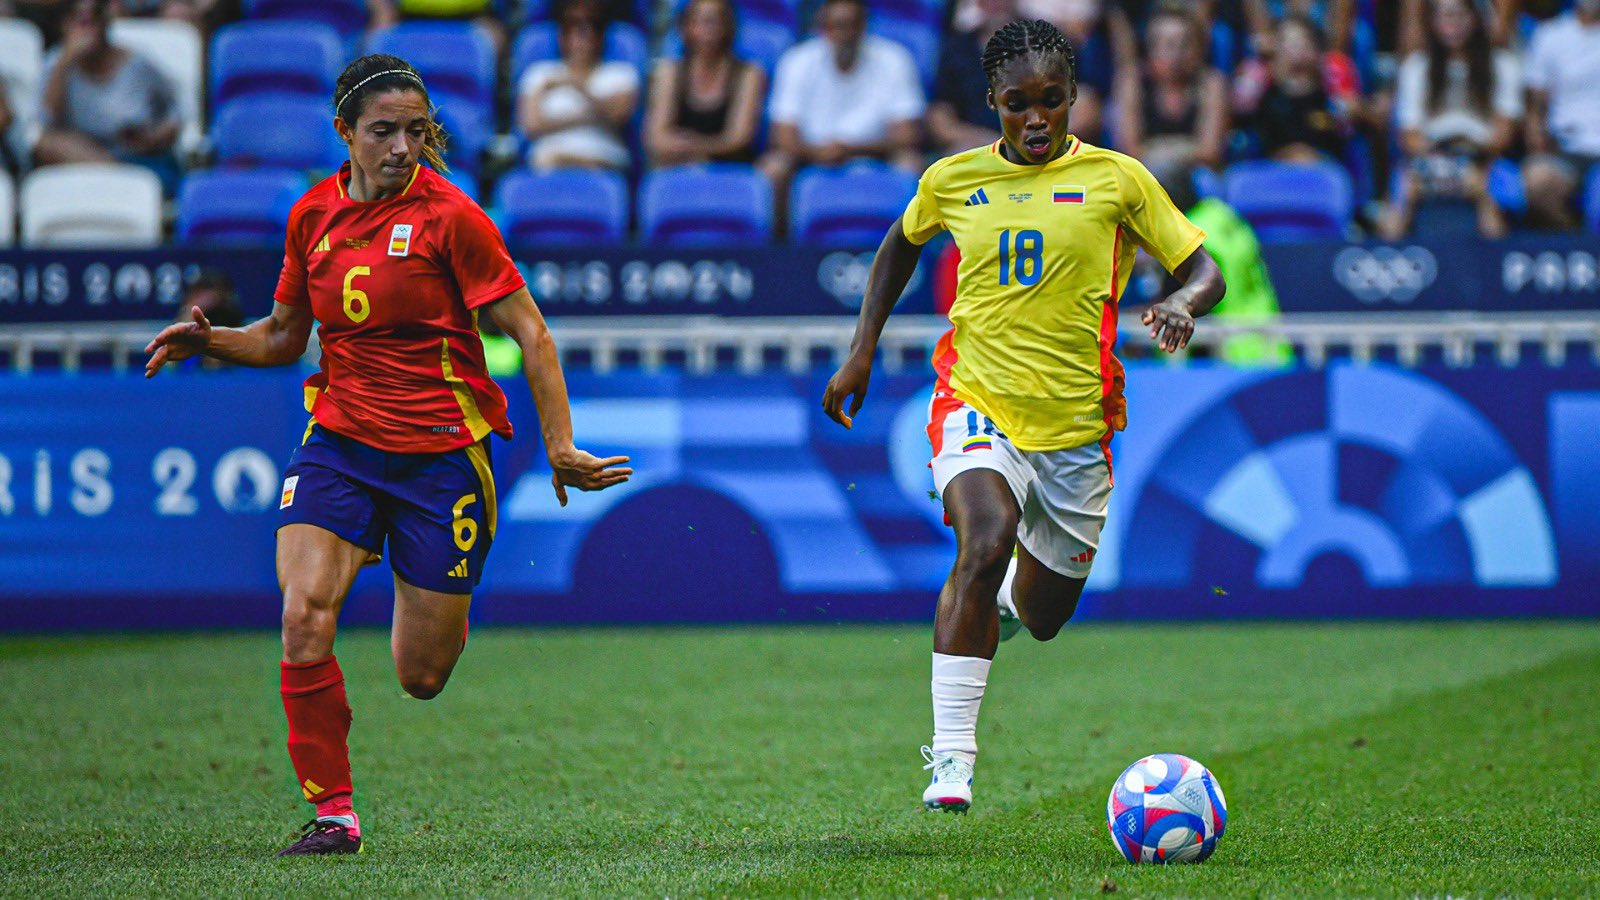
<point>565,207</point>
<point>693,206</point>
<point>757,41</point>
<point>1289,201</point>
<point>1591,200</point>
<point>347,17</point>
<point>91,205</point>
<point>277,130</point>
<point>466,181</point>
<point>1505,186</point>
<point>469,128</point>
<point>922,40</point>
<point>848,207</point>
<point>538,42</point>
<point>250,58</point>
<point>8,210</point>
<point>237,207</point>
<point>456,59</point>
<point>22,70</point>
<point>173,47</point>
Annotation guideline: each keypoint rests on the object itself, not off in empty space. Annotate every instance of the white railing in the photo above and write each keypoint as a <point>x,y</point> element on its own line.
<point>799,344</point>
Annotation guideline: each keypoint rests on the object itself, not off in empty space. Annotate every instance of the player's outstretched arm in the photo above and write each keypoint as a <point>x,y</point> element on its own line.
<point>518,316</point>
<point>1171,321</point>
<point>277,340</point>
<point>891,270</point>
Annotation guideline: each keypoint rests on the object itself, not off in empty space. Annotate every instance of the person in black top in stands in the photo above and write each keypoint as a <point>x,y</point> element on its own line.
<point>1295,118</point>
<point>705,107</point>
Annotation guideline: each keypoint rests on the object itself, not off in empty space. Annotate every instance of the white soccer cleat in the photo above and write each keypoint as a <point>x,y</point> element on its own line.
<point>951,788</point>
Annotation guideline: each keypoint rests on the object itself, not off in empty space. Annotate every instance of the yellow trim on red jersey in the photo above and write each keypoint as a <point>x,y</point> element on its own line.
<point>480,463</point>
<point>477,426</point>
<point>311,397</point>
<point>415,171</point>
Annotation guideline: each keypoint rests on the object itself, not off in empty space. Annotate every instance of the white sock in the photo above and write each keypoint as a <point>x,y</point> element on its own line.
<point>958,683</point>
<point>1007,604</point>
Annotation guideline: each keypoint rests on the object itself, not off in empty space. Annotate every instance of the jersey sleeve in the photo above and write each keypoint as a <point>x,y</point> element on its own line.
<point>1155,223</point>
<point>478,258</point>
<point>921,220</point>
<point>291,290</point>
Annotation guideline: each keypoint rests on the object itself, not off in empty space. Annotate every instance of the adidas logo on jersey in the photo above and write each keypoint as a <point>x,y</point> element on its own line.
<point>979,198</point>
<point>322,246</point>
<point>460,571</point>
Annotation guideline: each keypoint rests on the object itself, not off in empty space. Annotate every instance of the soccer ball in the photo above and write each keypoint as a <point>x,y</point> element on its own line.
<point>1166,808</point>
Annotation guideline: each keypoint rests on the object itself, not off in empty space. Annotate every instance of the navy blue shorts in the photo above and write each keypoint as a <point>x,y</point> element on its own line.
<point>437,510</point>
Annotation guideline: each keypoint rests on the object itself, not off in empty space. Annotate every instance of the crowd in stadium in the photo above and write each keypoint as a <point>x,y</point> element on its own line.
<point>1389,118</point>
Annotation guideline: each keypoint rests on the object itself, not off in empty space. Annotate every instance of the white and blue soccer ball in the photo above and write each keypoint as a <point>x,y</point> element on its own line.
<point>1166,808</point>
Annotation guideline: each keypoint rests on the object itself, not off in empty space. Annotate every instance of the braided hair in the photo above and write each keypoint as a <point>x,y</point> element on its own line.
<point>1022,37</point>
<point>375,73</point>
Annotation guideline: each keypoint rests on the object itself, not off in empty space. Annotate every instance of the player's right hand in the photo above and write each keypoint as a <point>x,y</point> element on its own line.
<point>585,471</point>
<point>850,381</point>
<point>178,342</point>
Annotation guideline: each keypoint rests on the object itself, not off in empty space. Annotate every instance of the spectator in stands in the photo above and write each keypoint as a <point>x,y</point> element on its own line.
<point>103,103</point>
<point>8,162</point>
<point>1562,72</point>
<point>576,109</point>
<point>1335,19</point>
<point>844,95</point>
<point>1299,105</point>
<point>1173,110</point>
<point>1457,106</point>
<point>202,14</point>
<point>705,107</point>
<point>959,117</point>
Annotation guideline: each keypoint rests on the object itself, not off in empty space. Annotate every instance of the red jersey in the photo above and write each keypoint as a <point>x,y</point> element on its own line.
<point>395,285</point>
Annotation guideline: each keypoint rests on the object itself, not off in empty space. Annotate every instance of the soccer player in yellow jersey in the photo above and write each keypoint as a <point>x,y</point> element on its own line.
<point>1028,391</point>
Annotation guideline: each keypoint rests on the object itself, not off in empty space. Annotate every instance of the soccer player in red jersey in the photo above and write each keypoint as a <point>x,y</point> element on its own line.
<point>395,263</point>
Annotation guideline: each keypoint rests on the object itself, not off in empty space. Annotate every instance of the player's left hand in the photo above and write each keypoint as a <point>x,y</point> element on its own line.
<point>1170,323</point>
<point>585,471</point>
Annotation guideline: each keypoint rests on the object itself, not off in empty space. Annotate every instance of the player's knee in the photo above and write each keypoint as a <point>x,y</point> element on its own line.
<point>1045,627</point>
<point>424,684</point>
<point>308,624</point>
<point>985,550</point>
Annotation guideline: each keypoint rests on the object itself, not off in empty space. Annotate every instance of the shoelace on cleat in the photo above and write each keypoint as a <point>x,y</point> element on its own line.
<point>943,766</point>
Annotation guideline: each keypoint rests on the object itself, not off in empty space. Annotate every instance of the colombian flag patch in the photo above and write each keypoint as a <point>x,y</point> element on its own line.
<point>1067,193</point>
<point>977,442</point>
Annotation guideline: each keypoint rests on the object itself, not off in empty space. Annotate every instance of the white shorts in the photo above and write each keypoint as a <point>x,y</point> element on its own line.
<point>1062,493</point>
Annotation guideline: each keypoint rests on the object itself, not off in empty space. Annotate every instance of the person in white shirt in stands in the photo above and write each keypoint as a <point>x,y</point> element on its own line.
<point>575,110</point>
<point>1562,72</point>
<point>1457,104</point>
<point>842,96</point>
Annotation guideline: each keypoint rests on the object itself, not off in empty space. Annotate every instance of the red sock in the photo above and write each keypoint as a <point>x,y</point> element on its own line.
<point>319,725</point>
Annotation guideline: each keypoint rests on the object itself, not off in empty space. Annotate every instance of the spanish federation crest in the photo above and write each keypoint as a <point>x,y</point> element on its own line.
<point>400,241</point>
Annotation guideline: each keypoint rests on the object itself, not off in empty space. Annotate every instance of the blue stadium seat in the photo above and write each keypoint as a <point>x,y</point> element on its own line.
<point>565,206</point>
<point>757,41</point>
<point>696,206</point>
<point>274,58</point>
<point>469,128</point>
<point>237,207</point>
<point>848,207</point>
<point>538,42</point>
<point>929,13</point>
<point>1289,201</point>
<point>1591,200</point>
<point>347,17</point>
<point>277,130</point>
<point>1505,186</point>
<point>456,59</point>
<point>923,41</point>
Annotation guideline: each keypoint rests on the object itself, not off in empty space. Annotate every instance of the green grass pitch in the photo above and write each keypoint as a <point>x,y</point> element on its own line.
<point>1358,760</point>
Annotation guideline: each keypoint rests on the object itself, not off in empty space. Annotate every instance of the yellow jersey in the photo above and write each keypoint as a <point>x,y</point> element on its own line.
<point>1046,251</point>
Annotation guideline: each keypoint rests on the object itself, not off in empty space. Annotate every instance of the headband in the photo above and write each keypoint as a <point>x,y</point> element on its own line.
<point>406,72</point>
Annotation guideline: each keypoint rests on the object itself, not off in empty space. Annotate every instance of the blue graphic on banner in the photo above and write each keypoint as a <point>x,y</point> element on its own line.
<point>1351,491</point>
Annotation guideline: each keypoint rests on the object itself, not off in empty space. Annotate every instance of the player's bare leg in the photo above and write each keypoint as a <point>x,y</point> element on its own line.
<point>1044,599</point>
<point>427,638</point>
<point>966,631</point>
<point>315,570</point>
